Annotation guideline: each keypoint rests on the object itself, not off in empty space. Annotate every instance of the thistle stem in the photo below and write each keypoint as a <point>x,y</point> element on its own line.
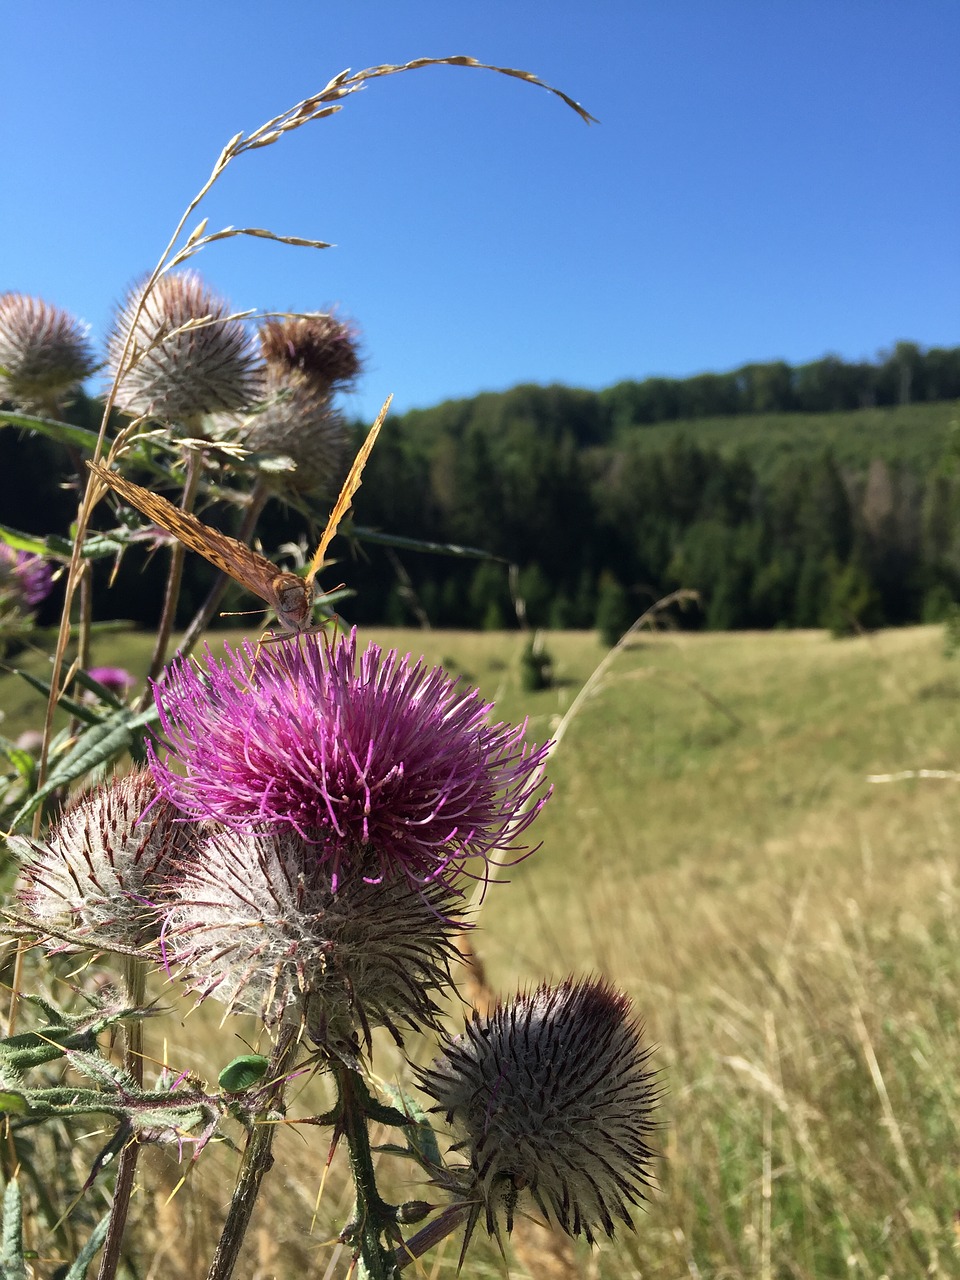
<point>373,1217</point>
<point>257,1162</point>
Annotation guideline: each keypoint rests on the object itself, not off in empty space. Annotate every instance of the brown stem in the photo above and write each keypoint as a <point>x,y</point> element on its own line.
<point>135,981</point>
<point>257,1161</point>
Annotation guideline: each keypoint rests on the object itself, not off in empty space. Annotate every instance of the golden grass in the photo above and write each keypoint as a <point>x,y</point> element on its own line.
<point>788,929</point>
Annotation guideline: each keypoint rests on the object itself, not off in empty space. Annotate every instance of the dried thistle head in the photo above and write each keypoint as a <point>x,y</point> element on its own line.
<point>552,1096</point>
<point>100,878</point>
<point>319,345</point>
<point>189,355</point>
<point>264,926</point>
<point>44,352</point>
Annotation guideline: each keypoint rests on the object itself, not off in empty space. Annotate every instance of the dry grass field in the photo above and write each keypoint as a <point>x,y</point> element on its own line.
<point>787,927</point>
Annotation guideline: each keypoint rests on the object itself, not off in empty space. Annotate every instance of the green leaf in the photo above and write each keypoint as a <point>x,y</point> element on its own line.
<point>238,1075</point>
<point>101,743</point>
<point>86,1255</point>
<point>417,544</point>
<point>23,541</point>
<point>64,432</point>
<point>86,714</point>
<point>13,1104</point>
<point>12,1263</point>
<point>24,762</point>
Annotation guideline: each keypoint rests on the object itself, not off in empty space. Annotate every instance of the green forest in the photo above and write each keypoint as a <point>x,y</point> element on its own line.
<point>826,494</point>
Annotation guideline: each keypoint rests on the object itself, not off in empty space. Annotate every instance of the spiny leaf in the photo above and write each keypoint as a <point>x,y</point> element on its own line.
<point>89,1251</point>
<point>12,1263</point>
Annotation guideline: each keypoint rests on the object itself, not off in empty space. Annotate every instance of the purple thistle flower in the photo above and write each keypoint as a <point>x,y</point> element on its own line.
<point>31,575</point>
<point>385,758</point>
<point>116,679</point>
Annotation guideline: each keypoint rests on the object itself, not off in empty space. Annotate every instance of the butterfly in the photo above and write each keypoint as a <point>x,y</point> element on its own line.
<point>289,596</point>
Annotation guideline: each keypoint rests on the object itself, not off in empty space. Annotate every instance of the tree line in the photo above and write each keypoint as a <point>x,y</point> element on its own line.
<point>604,531</point>
<point>581,523</point>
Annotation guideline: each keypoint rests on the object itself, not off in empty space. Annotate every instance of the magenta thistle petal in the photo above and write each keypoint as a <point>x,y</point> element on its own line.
<point>385,756</point>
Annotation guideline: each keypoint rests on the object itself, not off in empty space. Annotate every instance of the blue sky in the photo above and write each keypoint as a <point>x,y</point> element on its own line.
<point>768,179</point>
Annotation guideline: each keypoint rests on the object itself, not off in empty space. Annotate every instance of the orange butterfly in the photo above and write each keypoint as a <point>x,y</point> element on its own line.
<point>290,596</point>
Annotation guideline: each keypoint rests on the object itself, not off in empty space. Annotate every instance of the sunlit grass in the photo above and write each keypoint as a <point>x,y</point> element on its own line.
<point>789,930</point>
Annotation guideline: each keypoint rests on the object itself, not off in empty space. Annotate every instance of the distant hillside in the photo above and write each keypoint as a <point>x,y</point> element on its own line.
<point>845,519</point>
<point>913,435</point>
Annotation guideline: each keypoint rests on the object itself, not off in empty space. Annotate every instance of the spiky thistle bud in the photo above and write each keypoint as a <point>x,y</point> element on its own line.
<point>258,925</point>
<point>551,1095</point>
<point>297,420</point>
<point>44,352</point>
<point>106,867</point>
<point>307,359</point>
<point>189,356</point>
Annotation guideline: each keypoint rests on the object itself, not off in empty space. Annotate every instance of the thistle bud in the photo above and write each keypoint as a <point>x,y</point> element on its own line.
<point>551,1097</point>
<point>100,877</point>
<point>189,356</point>
<point>44,352</point>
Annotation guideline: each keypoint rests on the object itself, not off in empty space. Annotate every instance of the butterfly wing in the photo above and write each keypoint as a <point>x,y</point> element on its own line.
<point>253,571</point>
<point>350,487</point>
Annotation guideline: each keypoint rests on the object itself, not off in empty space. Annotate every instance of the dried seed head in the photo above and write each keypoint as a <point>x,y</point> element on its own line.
<point>44,352</point>
<point>552,1096</point>
<point>320,346</point>
<point>188,356</point>
<point>259,926</point>
<point>99,878</point>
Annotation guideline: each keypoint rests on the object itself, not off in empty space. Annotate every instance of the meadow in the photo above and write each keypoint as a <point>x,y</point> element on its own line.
<point>718,846</point>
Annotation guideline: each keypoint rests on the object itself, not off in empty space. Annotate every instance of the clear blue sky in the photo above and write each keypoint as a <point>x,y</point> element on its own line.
<point>768,179</point>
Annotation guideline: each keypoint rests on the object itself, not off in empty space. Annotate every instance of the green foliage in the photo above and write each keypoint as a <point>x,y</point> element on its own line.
<point>614,615</point>
<point>951,631</point>
<point>852,605</point>
<point>536,665</point>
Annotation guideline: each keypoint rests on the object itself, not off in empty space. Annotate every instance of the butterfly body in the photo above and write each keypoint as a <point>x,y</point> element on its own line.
<point>292,601</point>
